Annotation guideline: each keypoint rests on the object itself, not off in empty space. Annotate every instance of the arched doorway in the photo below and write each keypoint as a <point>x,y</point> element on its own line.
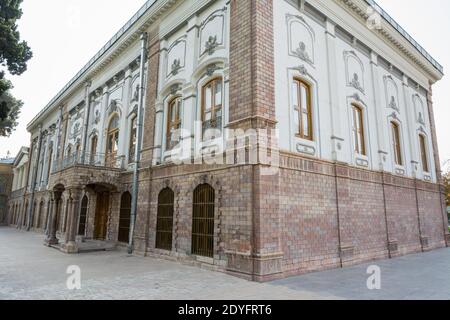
<point>125,217</point>
<point>83,216</point>
<point>203,221</point>
<point>164,225</point>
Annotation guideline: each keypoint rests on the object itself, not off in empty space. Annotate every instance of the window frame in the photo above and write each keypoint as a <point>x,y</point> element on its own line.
<point>214,107</point>
<point>423,146</point>
<point>172,124</point>
<point>298,108</point>
<point>111,132</point>
<point>358,132</point>
<point>396,143</point>
<point>133,136</point>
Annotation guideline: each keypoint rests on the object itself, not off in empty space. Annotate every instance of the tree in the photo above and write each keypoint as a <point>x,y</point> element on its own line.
<point>9,113</point>
<point>14,55</point>
<point>446,177</point>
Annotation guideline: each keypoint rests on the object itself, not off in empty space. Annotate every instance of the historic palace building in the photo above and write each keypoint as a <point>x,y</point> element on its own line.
<point>322,110</point>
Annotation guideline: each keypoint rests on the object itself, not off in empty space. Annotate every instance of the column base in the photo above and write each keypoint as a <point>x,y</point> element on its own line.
<point>70,247</point>
<point>51,242</point>
<point>260,268</point>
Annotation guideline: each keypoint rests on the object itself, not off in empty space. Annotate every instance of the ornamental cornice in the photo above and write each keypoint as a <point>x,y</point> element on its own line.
<point>387,32</point>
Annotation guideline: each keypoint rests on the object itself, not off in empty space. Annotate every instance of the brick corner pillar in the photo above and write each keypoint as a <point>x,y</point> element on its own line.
<point>151,96</point>
<point>252,106</point>
<point>437,164</point>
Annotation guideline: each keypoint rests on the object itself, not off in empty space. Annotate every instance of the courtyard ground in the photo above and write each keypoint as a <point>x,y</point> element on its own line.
<point>28,270</point>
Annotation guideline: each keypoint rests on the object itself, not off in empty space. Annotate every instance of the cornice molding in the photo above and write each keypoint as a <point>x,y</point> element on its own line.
<point>395,38</point>
<point>127,35</point>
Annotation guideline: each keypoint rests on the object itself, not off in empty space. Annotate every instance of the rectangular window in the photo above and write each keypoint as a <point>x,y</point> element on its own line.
<point>173,123</point>
<point>301,101</point>
<point>358,130</point>
<point>212,106</point>
<point>396,144</point>
<point>423,153</point>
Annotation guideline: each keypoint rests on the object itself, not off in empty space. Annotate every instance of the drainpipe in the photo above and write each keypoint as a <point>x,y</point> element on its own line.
<point>140,115</point>
<point>33,180</point>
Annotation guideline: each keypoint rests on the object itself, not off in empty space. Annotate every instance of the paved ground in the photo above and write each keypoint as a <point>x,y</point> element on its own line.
<point>28,270</point>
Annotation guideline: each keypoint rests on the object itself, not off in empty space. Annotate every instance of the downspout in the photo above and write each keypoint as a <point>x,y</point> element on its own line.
<point>33,180</point>
<point>139,128</point>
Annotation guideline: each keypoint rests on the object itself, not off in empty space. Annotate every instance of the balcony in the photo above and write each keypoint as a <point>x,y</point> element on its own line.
<point>99,160</point>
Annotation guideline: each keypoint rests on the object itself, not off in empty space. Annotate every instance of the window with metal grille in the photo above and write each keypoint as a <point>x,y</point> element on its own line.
<point>203,221</point>
<point>164,224</point>
<point>125,217</point>
<point>83,216</point>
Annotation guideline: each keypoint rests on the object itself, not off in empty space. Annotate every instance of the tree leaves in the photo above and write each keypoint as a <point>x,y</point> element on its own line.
<point>14,55</point>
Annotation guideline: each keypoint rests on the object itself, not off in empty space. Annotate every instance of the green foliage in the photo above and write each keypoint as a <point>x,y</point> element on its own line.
<point>14,55</point>
<point>9,113</point>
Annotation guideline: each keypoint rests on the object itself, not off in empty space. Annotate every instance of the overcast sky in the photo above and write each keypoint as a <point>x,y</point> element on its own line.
<point>64,35</point>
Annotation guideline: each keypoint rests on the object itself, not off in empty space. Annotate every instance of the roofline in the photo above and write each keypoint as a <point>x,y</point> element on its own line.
<point>405,34</point>
<point>20,154</point>
<point>119,34</point>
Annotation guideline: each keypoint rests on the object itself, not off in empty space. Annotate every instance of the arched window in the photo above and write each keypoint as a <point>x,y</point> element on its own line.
<point>69,151</point>
<point>203,221</point>
<point>112,142</point>
<point>83,216</point>
<point>423,153</point>
<point>358,130</point>
<point>133,140</point>
<point>50,160</point>
<point>301,100</point>
<point>94,143</point>
<point>212,111</point>
<point>164,225</point>
<point>125,218</point>
<point>173,123</point>
<point>396,144</point>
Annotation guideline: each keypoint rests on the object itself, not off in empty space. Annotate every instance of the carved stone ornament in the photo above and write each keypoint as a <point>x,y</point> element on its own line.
<point>211,69</point>
<point>175,88</point>
<point>355,83</point>
<point>176,66</point>
<point>393,104</point>
<point>301,53</point>
<point>211,44</point>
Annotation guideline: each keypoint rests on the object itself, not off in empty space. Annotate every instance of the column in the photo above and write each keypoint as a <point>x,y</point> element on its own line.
<point>333,85</point>
<point>87,111</point>
<point>70,245</point>
<point>55,203</point>
<point>125,130</point>
<point>410,124</point>
<point>379,111</point>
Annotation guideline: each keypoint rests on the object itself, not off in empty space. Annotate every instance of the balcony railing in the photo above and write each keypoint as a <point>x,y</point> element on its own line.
<point>90,159</point>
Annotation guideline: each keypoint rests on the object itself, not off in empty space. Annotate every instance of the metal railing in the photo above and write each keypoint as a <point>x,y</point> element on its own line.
<point>90,159</point>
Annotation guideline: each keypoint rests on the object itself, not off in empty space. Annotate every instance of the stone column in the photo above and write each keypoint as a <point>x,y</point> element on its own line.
<point>55,203</point>
<point>70,245</point>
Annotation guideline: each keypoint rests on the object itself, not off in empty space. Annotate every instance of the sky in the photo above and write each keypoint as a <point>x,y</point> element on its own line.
<point>64,35</point>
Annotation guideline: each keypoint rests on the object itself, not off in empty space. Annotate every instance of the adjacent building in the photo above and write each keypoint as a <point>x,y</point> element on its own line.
<point>279,137</point>
<point>6,177</point>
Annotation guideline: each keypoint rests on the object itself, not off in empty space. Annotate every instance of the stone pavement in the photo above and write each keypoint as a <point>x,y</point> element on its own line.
<point>28,270</point>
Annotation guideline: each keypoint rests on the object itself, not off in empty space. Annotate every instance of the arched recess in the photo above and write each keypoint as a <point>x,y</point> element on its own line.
<point>164,224</point>
<point>40,213</point>
<point>125,217</point>
<point>203,221</point>
<point>83,216</point>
